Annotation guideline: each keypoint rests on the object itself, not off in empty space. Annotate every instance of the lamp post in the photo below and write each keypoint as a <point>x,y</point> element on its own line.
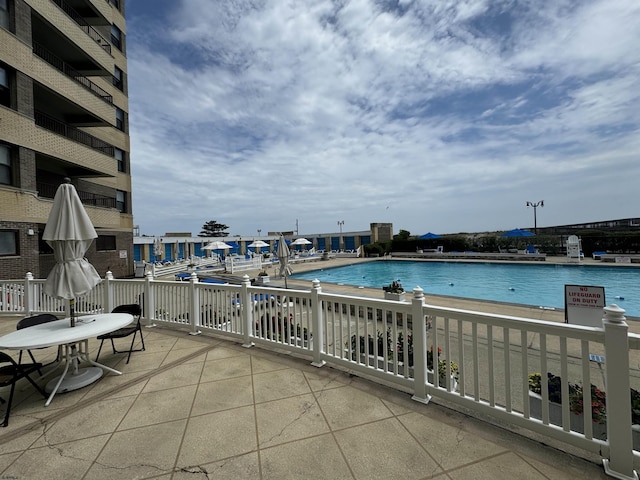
<point>535,205</point>
<point>340,224</point>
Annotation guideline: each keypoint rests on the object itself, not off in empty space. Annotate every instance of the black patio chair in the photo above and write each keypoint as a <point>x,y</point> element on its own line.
<point>10,373</point>
<point>31,322</point>
<point>133,329</point>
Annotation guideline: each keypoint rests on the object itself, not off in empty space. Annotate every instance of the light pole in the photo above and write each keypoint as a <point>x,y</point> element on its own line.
<point>340,224</point>
<point>535,205</point>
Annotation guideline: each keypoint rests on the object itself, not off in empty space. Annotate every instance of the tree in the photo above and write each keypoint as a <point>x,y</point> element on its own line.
<point>213,229</point>
<point>402,235</point>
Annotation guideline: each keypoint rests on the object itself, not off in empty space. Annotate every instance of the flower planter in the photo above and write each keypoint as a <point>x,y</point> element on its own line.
<point>442,381</point>
<point>576,421</point>
<point>398,297</point>
<point>262,279</point>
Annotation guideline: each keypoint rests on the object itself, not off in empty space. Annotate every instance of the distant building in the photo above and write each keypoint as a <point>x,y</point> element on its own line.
<point>381,232</point>
<point>622,224</point>
<point>63,113</point>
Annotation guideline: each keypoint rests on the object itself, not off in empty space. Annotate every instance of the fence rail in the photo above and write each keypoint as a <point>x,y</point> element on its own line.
<point>485,363</point>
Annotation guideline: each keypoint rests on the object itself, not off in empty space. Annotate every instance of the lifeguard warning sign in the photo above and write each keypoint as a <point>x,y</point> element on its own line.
<point>583,305</point>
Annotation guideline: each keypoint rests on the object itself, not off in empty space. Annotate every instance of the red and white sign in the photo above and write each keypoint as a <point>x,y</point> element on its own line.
<point>583,305</point>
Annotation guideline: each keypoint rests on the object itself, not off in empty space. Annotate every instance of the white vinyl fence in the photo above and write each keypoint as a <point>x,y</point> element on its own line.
<point>481,362</point>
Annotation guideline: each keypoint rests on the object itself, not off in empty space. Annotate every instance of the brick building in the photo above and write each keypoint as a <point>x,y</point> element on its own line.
<point>63,113</point>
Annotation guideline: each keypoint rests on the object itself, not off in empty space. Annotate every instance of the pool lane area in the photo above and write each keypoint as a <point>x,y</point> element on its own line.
<point>539,284</point>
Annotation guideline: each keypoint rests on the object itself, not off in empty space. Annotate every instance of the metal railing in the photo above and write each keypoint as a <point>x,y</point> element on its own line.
<point>82,23</point>
<point>478,361</point>
<point>72,133</point>
<point>47,190</point>
<point>70,72</point>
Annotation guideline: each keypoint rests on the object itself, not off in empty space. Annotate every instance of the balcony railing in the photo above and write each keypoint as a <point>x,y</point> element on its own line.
<point>82,23</point>
<point>72,133</point>
<point>478,361</point>
<point>70,72</point>
<point>47,190</point>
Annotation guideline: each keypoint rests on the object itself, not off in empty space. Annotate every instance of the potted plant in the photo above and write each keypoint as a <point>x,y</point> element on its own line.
<point>442,363</point>
<point>554,383</point>
<point>263,278</point>
<point>394,291</point>
<point>358,347</point>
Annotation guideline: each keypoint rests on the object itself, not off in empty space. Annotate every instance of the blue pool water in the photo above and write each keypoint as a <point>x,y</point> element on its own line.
<point>538,285</point>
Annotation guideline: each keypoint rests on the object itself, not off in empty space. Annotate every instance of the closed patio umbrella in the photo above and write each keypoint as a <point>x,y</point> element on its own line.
<point>157,248</point>
<point>69,232</point>
<point>283,257</point>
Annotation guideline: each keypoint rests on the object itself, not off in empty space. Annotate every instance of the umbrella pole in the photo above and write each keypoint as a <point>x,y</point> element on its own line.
<point>72,311</point>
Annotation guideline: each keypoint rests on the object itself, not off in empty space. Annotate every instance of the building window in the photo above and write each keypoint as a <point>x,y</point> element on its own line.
<point>121,201</point>
<point>105,243</point>
<point>9,243</point>
<point>6,178</point>
<point>119,154</point>
<point>115,3</point>
<point>119,119</point>
<point>117,78</point>
<point>4,14</point>
<point>5,91</point>
<point>116,37</point>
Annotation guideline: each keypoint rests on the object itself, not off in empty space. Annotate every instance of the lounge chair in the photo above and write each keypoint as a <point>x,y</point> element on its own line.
<point>532,250</point>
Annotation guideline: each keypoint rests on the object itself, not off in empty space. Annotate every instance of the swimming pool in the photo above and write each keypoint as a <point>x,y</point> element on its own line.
<point>538,285</point>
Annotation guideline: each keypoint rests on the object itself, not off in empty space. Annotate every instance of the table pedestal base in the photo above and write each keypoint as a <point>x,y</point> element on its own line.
<point>72,377</point>
<point>74,381</point>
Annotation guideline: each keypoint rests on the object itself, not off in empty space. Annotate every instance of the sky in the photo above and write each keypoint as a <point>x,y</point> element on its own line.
<point>445,116</point>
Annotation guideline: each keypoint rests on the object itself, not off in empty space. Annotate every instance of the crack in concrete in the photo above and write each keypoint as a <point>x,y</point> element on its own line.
<point>306,408</point>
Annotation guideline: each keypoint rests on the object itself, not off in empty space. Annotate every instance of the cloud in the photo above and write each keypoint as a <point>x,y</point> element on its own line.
<point>452,114</point>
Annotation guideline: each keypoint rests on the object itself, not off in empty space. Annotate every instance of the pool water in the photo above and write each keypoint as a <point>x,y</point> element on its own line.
<point>538,284</point>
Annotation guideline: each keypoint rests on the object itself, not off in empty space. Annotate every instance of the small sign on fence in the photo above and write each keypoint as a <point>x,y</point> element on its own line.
<point>583,305</point>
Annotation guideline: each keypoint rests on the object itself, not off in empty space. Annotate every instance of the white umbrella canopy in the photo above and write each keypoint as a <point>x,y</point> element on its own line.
<point>217,245</point>
<point>301,241</point>
<point>283,257</point>
<point>69,232</point>
<point>258,244</point>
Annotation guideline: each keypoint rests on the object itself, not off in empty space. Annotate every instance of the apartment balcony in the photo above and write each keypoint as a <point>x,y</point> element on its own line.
<point>57,25</point>
<point>54,125</point>
<point>93,33</point>
<point>71,72</point>
<point>46,190</point>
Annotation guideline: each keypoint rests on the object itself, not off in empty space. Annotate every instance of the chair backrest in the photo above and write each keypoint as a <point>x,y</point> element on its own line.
<point>35,320</point>
<point>7,373</point>
<point>131,308</point>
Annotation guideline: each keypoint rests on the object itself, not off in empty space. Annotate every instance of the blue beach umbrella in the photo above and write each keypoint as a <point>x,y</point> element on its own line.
<point>516,232</point>
<point>429,236</point>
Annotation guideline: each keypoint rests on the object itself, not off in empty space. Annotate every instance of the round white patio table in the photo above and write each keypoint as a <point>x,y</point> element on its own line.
<point>75,341</point>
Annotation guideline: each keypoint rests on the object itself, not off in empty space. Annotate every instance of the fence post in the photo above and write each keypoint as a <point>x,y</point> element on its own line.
<point>616,345</point>
<point>194,307</point>
<point>246,309</point>
<point>148,300</point>
<point>316,324</point>
<point>419,348</point>
<point>108,292</point>
<point>29,296</point>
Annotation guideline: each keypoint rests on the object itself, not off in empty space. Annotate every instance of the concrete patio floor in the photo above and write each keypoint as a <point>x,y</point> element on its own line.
<point>204,407</point>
